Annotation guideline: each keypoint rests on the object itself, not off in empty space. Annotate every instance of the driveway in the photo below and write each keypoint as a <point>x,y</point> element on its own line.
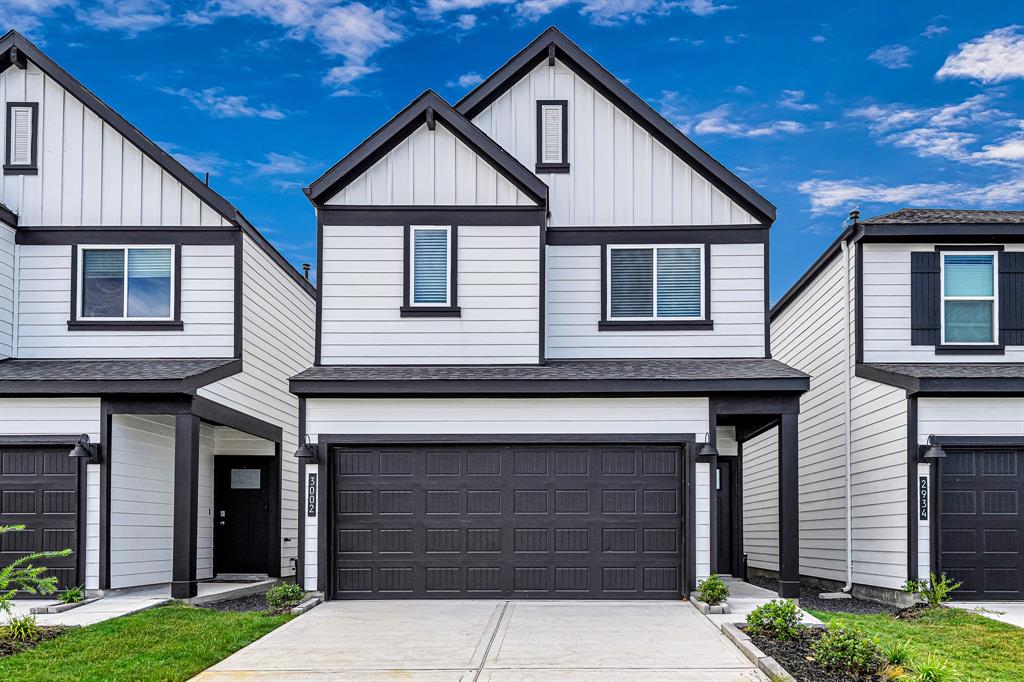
<point>496,641</point>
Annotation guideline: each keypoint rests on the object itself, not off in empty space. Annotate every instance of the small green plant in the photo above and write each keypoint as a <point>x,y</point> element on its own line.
<point>713,590</point>
<point>284,595</point>
<point>72,595</point>
<point>932,669</point>
<point>846,648</point>
<point>21,574</point>
<point>934,590</point>
<point>897,653</point>
<point>778,619</point>
<point>23,629</point>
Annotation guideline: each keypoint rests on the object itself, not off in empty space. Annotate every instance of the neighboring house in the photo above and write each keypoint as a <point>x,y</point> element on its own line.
<point>911,326</point>
<point>539,312</point>
<point>140,309</point>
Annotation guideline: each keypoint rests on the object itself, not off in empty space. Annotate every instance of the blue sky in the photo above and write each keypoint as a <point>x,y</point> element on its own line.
<point>822,107</point>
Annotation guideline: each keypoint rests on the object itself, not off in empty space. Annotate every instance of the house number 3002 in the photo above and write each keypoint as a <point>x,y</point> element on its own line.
<point>311,495</point>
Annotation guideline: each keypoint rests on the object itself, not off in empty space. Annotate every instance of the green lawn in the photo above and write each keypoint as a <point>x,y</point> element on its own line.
<point>977,648</point>
<point>172,642</point>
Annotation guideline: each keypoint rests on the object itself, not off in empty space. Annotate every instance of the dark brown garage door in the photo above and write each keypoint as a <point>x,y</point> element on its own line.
<point>981,522</point>
<point>591,522</point>
<point>39,488</point>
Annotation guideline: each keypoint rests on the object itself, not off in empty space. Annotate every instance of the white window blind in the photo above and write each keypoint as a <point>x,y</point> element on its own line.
<point>20,150</point>
<point>552,132</point>
<point>969,298</point>
<point>656,282</point>
<point>430,265</point>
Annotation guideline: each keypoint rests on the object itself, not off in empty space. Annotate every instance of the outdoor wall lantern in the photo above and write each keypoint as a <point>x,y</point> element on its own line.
<point>306,451</point>
<point>934,450</point>
<point>85,450</point>
<point>708,449</point>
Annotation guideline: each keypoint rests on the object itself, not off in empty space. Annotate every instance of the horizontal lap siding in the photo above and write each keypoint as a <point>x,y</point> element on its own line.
<point>574,308</point>
<point>498,292</point>
<point>619,174</point>
<point>506,416</point>
<point>6,291</point>
<point>887,309</point>
<point>431,167</point>
<point>761,500</point>
<point>970,417</point>
<point>207,309</point>
<point>50,417</point>
<point>89,174</point>
<point>277,342</point>
<point>204,507</point>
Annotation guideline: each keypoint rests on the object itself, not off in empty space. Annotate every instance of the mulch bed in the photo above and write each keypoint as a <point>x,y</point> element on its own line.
<point>809,599</point>
<point>9,647</point>
<point>798,659</point>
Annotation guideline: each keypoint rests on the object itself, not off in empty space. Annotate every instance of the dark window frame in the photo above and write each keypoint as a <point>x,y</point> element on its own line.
<point>996,347</point>
<point>668,324</point>
<point>78,323</point>
<point>31,168</point>
<point>563,165</point>
<point>408,309</point>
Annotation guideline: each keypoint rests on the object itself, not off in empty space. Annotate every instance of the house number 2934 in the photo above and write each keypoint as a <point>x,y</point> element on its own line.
<point>922,496</point>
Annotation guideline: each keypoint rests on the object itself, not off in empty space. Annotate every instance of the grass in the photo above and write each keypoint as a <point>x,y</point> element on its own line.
<point>975,647</point>
<point>173,642</point>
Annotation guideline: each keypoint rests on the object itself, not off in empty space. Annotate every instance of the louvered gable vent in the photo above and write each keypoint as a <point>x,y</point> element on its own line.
<point>552,121</point>
<point>21,132</point>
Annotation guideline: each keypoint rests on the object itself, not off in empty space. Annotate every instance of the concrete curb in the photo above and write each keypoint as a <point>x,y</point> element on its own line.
<point>765,663</point>
<point>706,608</point>
<point>307,605</point>
<point>61,608</point>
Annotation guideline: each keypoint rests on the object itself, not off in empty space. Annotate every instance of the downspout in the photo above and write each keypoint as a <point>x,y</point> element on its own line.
<point>848,397</point>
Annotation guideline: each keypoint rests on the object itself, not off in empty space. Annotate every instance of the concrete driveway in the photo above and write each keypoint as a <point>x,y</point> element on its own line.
<point>496,641</point>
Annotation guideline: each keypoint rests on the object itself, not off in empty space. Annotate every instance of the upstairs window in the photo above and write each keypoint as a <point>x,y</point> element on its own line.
<point>969,298</point>
<point>21,138</point>
<point>552,136</point>
<point>126,283</point>
<point>431,261</point>
<point>655,283</point>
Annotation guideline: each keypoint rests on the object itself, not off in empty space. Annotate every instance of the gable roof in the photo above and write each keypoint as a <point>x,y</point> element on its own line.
<point>551,44</point>
<point>16,50</point>
<point>429,108</point>
<point>8,216</point>
<point>946,216</point>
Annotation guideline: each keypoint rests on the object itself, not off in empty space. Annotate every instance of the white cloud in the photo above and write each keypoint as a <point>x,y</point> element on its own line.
<point>466,80</point>
<point>818,38</point>
<point>993,58</point>
<point>934,30</point>
<point>704,8</point>
<point>794,99</point>
<point>197,162</point>
<point>131,16</point>
<point>343,75</point>
<point>740,90</point>
<point>280,164</point>
<point>1009,149</point>
<point>718,121</point>
<point>892,56</point>
<point>828,195</point>
<point>27,15</point>
<point>219,105</point>
<point>466,22</point>
<point>601,12</point>
<point>356,32</point>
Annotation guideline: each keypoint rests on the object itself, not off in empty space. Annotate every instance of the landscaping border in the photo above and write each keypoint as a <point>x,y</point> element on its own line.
<point>765,663</point>
<point>61,608</point>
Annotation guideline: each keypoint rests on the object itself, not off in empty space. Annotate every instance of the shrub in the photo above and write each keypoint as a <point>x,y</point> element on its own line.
<point>934,590</point>
<point>72,595</point>
<point>23,629</point>
<point>713,590</point>
<point>932,669</point>
<point>20,574</point>
<point>846,648</point>
<point>284,595</point>
<point>778,619</point>
<point>897,653</point>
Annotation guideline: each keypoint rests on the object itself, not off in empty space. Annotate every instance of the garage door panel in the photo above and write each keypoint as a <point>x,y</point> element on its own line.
<point>488,521</point>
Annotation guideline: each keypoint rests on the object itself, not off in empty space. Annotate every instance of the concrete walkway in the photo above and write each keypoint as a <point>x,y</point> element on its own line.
<point>744,598</point>
<point>1011,612</point>
<point>494,641</point>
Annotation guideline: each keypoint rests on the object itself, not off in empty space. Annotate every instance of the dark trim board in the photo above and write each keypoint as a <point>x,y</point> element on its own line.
<point>56,235</point>
<point>410,310</point>
<point>431,215</point>
<point>956,386</point>
<point>319,294</point>
<point>238,324</point>
<point>981,441</point>
<point>68,440</point>
<point>331,439</point>
<point>8,216</point>
<point>106,448</point>
<point>573,235</point>
<point>300,564</point>
<point>912,488</point>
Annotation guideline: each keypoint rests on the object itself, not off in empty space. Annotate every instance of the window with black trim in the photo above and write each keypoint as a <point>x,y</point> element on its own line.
<point>553,136</point>
<point>431,263</point>
<point>126,284</point>
<point>21,138</point>
<point>970,298</point>
<point>655,286</point>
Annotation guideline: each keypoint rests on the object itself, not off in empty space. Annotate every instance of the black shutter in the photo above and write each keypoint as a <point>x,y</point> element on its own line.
<point>1011,298</point>
<point>925,298</point>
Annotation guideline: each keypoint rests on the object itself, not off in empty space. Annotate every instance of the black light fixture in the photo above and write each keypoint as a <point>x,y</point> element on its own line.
<point>306,451</point>
<point>708,449</point>
<point>84,449</point>
<point>934,450</point>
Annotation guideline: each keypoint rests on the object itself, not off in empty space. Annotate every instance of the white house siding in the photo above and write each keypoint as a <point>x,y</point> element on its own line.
<point>141,500</point>
<point>619,174</point>
<point>89,174</point>
<point>430,168</point>
<point>7,284</point>
<point>207,309</point>
<point>204,508</point>
<point>702,507</point>
<point>278,328</point>
<point>887,309</point>
<point>924,528</point>
<point>573,309</point>
<point>92,526</point>
<point>725,441</point>
<point>50,417</point>
<point>969,417</point>
<point>498,292</point>
<point>761,500</point>
<point>505,415</point>
<point>309,556</point>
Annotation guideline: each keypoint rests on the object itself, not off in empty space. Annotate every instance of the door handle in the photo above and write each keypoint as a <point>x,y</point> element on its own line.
<point>222,523</point>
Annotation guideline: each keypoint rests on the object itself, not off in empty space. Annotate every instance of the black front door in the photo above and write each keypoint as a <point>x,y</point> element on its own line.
<point>241,514</point>
<point>724,501</point>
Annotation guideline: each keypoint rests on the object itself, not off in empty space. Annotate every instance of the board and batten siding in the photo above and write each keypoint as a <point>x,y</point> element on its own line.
<point>988,416</point>
<point>44,308</point>
<point>431,168</point>
<point>619,174</point>
<point>278,330</point>
<point>498,293</point>
<point>7,289</point>
<point>573,309</point>
<point>89,174</point>
<point>887,309</point>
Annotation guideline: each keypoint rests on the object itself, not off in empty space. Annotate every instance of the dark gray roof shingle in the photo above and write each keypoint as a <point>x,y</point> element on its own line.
<point>44,376</point>
<point>935,216</point>
<point>954,370</point>
<point>948,378</point>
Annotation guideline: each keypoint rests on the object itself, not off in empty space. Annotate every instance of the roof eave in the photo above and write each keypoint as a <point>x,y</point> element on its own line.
<point>8,216</point>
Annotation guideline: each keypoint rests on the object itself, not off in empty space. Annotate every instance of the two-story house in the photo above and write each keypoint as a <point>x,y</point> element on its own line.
<point>911,326</point>
<point>149,330</point>
<point>541,343</point>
